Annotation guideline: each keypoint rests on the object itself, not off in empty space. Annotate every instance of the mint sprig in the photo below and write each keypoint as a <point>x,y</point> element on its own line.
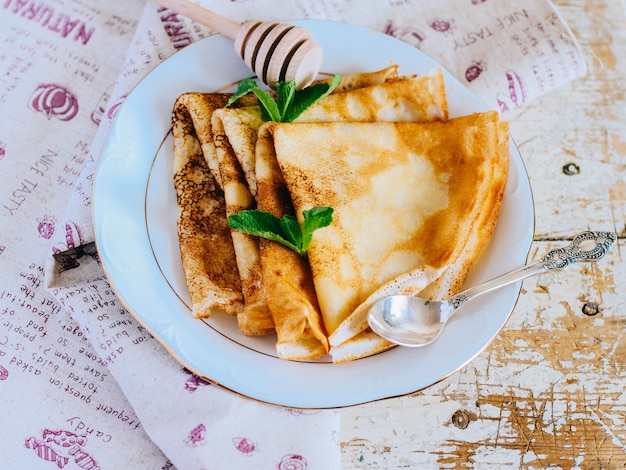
<point>289,103</point>
<point>285,230</point>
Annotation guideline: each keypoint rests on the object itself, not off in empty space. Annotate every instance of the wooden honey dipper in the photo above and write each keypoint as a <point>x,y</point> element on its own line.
<point>275,52</point>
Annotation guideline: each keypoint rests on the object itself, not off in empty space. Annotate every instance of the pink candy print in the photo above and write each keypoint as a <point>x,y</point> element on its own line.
<point>4,374</point>
<point>441,25</point>
<point>46,226</point>
<point>112,111</point>
<point>516,92</point>
<point>196,436</point>
<point>474,70</point>
<point>54,100</point>
<point>73,238</point>
<point>194,381</point>
<point>61,446</point>
<point>244,445</point>
<point>292,462</point>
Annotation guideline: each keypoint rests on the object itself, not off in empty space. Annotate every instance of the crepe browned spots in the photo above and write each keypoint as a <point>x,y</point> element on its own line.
<point>287,276</point>
<point>206,248</point>
<point>255,319</point>
<point>415,203</point>
<point>232,135</point>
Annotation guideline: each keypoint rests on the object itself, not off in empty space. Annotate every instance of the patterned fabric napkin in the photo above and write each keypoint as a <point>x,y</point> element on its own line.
<point>506,51</point>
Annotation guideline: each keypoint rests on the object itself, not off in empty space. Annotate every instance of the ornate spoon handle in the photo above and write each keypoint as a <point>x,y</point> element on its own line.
<point>587,246</point>
<point>599,244</point>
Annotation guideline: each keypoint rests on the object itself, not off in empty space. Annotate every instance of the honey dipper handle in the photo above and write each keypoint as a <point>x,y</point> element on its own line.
<point>203,16</point>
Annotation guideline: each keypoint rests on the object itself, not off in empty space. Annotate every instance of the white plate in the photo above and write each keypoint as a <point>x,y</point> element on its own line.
<point>135,222</point>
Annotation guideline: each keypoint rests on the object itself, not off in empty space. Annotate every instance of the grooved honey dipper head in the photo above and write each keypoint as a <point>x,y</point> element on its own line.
<point>278,52</point>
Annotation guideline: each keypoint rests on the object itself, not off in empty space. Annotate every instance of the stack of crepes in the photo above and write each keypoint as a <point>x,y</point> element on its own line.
<point>416,196</point>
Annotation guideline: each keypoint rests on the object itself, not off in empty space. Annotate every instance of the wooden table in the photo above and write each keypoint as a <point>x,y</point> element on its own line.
<point>550,391</point>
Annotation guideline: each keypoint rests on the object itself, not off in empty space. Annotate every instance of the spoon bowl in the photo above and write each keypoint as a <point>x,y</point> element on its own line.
<point>412,321</point>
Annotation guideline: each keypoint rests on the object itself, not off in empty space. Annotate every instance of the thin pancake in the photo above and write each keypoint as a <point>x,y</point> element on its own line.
<point>255,319</point>
<point>364,79</point>
<point>406,197</point>
<point>238,129</point>
<point>206,248</point>
<point>420,98</point>
<point>451,281</point>
<point>285,274</point>
<point>478,229</point>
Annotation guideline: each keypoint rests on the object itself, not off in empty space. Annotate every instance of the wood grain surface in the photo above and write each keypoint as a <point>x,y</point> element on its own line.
<point>550,391</point>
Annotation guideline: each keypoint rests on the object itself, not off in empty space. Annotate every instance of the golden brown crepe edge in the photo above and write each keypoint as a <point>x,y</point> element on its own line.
<point>255,318</point>
<point>291,294</point>
<point>212,282</point>
<point>347,340</point>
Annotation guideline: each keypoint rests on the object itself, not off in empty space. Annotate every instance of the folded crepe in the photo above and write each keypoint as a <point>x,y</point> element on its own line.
<point>255,319</point>
<point>286,277</point>
<point>206,249</point>
<point>286,274</point>
<point>414,204</point>
<point>363,79</point>
<point>417,98</point>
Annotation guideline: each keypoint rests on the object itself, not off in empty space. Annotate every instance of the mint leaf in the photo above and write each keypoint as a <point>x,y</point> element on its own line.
<point>308,96</point>
<point>285,230</point>
<point>291,230</point>
<point>290,102</point>
<point>315,218</point>
<point>260,224</point>
<point>269,108</point>
<point>245,86</point>
<point>286,93</point>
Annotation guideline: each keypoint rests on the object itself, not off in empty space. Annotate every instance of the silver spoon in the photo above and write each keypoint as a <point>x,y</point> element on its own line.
<point>412,321</point>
